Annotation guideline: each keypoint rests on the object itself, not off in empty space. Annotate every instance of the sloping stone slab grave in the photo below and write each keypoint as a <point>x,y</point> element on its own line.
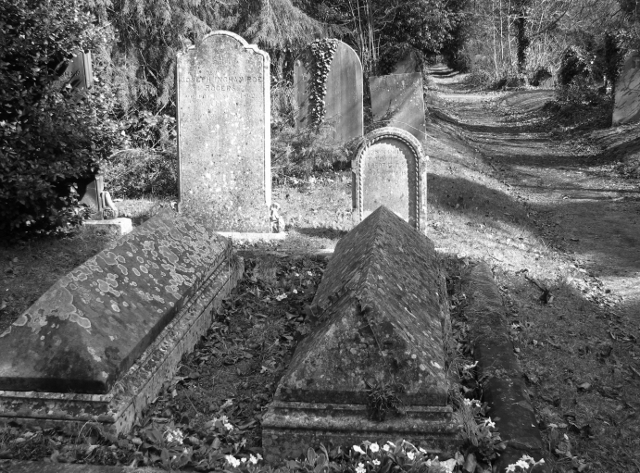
<point>389,168</point>
<point>397,99</point>
<point>98,345</point>
<point>382,312</point>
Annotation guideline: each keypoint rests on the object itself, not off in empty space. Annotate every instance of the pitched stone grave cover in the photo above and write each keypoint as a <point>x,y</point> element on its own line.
<point>224,133</point>
<point>343,101</point>
<point>389,168</point>
<point>627,101</point>
<point>382,312</point>
<point>397,99</point>
<point>99,344</point>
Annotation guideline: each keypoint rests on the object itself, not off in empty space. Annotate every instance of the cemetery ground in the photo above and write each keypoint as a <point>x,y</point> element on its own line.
<point>533,189</point>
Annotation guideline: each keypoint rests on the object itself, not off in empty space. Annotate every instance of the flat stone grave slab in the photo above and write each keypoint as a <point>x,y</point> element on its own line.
<point>98,345</point>
<point>224,133</point>
<point>627,100</point>
<point>382,311</point>
<point>397,100</point>
<point>343,100</point>
<point>389,168</point>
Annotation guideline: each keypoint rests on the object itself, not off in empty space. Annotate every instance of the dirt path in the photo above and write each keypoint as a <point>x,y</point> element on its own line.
<point>576,199</point>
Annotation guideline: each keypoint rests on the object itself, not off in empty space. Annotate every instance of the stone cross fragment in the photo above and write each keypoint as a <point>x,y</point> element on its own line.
<point>627,100</point>
<point>343,100</point>
<point>389,168</point>
<point>99,343</point>
<point>382,314</point>
<point>224,136</point>
<point>397,100</point>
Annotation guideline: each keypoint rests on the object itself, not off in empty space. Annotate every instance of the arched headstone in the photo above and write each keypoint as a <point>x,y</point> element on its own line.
<point>627,102</point>
<point>224,133</point>
<point>389,168</point>
<point>343,100</point>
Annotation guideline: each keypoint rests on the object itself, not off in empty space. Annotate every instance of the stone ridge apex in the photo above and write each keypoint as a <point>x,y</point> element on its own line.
<point>243,42</point>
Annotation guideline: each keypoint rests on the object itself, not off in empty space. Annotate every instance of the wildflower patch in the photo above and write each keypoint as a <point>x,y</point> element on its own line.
<point>373,368</point>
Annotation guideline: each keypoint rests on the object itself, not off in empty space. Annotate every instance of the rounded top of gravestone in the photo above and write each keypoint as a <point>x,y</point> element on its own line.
<point>243,42</point>
<point>386,133</point>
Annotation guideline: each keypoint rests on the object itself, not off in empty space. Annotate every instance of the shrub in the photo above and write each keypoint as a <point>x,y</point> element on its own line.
<point>49,139</point>
<point>574,63</point>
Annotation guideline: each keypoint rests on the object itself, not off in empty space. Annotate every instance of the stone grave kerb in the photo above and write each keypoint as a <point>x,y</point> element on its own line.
<point>417,179</point>
<point>192,53</point>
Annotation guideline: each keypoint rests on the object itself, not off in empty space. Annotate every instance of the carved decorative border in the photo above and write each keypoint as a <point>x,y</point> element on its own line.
<point>358,169</point>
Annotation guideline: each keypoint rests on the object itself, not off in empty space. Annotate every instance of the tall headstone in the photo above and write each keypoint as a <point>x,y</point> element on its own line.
<point>389,168</point>
<point>627,101</point>
<point>397,99</point>
<point>343,100</point>
<point>78,72</point>
<point>224,133</point>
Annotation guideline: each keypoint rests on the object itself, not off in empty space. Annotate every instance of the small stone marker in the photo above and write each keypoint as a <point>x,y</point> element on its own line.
<point>98,345</point>
<point>78,72</point>
<point>224,133</point>
<point>343,100</point>
<point>382,312</point>
<point>397,98</point>
<point>627,102</point>
<point>389,168</point>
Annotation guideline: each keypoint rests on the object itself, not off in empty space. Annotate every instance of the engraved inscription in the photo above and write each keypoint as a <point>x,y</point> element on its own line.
<point>385,179</point>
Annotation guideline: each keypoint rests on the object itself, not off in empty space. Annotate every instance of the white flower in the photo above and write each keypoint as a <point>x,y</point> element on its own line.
<point>309,273</point>
<point>174,436</point>
<point>528,459</point>
<point>360,468</point>
<point>411,455</point>
<point>511,468</point>
<point>357,449</point>
<point>253,459</point>
<point>488,423</point>
<point>228,426</point>
<point>376,462</point>
<point>522,464</point>
<point>244,460</point>
<point>295,291</point>
<point>233,461</point>
<point>449,465</point>
<point>385,448</point>
<point>281,297</point>
<point>374,447</point>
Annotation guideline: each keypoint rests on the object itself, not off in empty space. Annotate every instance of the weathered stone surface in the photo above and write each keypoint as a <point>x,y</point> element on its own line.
<point>92,325</point>
<point>627,101</point>
<point>397,100</point>
<point>78,72</point>
<point>389,168</point>
<point>224,133</point>
<point>382,311</point>
<point>343,101</point>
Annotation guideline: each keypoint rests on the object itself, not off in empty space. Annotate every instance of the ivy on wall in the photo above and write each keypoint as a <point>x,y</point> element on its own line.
<point>322,53</point>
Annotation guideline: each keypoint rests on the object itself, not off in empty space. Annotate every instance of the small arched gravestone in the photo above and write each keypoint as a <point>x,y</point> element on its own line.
<point>389,168</point>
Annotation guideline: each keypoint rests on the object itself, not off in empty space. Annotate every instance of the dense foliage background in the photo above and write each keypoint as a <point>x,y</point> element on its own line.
<point>125,126</point>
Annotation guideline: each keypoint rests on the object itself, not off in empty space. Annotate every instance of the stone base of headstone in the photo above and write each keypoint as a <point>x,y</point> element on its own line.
<point>117,226</point>
<point>254,237</point>
<point>382,317</point>
<point>101,342</point>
